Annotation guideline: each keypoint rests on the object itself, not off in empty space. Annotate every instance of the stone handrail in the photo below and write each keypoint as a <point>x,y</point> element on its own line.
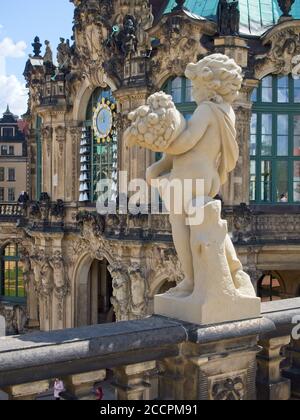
<point>137,348</point>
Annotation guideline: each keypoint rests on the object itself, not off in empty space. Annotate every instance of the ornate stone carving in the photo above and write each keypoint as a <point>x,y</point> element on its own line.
<point>229,389</point>
<point>242,224</point>
<point>120,291</point>
<point>138,288</point>
<point>45,206</point>
<point>47,135</point>
<point>15,318</point>
<point>179,45</point>
<point>60,134</point>
<point>284,46</point>
<point>58,210</point>
<point>96,220</point>
<point>61,281</point>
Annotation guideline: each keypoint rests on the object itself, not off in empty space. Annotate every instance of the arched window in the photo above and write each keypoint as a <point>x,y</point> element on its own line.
<point>275,142</point>
<point>11,274</point>
<point>99,159</point>
<point>180,88</point>
<point>269,288</point>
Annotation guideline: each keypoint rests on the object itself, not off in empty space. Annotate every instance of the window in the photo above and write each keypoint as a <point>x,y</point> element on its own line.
<point>11,195</point>
<point>11,273</point>
<point>2,174</point>
<point>99,161</point>
<point>270,288</point>
<point>4,150</point>
<point>8,132</point>
<point>11,151</point>
<point>275,142</point>
<point>11,175</point>
<point>2,194</point>
<point>39,172</point>
<point>180,89</point>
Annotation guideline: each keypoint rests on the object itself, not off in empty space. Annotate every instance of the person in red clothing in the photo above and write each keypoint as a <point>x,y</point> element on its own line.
<point>99,393</point>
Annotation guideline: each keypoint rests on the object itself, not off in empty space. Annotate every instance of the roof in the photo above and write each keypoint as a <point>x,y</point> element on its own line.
<point>8,117</point>
<point>257,16</point>
<point>11,120</point>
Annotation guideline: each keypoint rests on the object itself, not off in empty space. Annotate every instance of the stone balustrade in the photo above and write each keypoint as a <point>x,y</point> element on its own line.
<point>8,210</point>
<point>249,225</point>
<point>161,358</point>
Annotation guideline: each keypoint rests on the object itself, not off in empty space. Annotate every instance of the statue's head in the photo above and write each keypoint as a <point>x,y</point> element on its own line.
<point>215,78</point>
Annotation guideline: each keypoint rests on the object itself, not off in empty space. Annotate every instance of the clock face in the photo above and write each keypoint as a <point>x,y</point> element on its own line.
<point>104,122</point>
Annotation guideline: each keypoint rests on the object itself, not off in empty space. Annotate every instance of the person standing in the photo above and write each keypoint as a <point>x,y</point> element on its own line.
<point>59,387</point>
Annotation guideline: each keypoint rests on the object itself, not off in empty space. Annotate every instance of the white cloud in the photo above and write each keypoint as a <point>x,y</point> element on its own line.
<point>8,48</point>
<point>13,93</point>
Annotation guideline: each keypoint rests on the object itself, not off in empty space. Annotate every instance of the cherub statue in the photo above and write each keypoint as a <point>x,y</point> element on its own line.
<point>203,148</point>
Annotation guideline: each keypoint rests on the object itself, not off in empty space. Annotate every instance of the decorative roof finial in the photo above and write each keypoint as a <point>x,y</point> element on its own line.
<point>285,6</point>
<point>37,47</point>
<point>180,6</point>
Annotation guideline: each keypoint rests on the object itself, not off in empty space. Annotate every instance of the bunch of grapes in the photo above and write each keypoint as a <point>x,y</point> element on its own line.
<point>155,125</point>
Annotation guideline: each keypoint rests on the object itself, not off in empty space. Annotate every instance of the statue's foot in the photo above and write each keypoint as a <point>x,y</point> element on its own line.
<point>243,284</point>
<point>185,288</point>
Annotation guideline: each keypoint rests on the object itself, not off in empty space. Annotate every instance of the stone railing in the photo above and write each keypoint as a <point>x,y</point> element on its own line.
<point>160,358</point>
<point>248,225</point>
<point>8,210</point>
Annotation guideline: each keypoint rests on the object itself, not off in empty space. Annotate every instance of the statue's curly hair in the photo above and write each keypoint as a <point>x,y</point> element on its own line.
<point>221,76</point>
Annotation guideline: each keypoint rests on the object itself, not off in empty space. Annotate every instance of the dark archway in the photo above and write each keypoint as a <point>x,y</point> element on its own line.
<point>100,292</point>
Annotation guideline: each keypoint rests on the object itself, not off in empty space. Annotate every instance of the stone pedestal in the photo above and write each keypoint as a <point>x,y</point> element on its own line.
<point>82,385</point>
<point>190,309</point>
<point>27,392</point>
<point>271,386</point>
<point>218,363</point>
<point>132,382</point>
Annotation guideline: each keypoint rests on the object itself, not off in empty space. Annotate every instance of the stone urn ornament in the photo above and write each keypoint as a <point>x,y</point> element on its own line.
<point>215,288</point>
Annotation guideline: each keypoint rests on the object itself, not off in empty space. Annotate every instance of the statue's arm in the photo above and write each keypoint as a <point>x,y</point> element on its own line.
<point>164,165</point>
<point>196,128</point>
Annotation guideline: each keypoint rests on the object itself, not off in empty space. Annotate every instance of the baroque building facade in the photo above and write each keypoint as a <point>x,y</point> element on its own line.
<point>81,268</point>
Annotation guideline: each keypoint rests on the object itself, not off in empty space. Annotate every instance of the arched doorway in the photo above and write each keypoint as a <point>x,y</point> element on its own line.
<point>100,292</point>
<point>94,293</point>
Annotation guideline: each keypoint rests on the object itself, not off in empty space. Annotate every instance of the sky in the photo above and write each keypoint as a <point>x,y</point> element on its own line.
<point>20,22</point>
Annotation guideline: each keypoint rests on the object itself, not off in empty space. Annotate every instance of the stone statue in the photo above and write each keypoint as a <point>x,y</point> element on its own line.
<point>228,18</point>
<point>64,54</point>
<point>120,291</point>
<point>127,38</point>
<point>48,57</point>
<point>215,288</point>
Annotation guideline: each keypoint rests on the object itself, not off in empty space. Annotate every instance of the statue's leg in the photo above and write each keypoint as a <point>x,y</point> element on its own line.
<point>241,279</point>
<point>181,237</point>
